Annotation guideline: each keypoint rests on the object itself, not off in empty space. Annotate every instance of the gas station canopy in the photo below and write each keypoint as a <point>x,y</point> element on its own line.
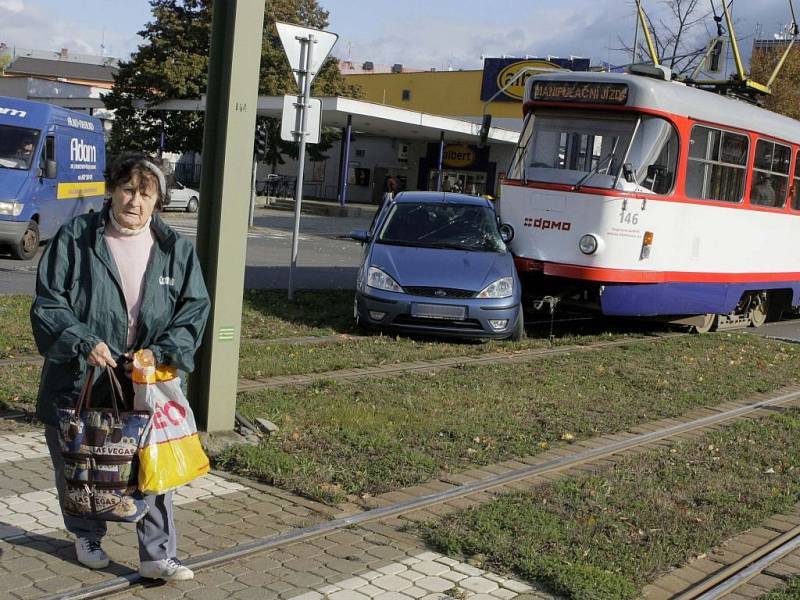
<point>374,119</point>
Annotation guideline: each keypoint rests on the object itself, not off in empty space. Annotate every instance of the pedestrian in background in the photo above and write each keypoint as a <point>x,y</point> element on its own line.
<point>390,187</point>
<point>108,284</point>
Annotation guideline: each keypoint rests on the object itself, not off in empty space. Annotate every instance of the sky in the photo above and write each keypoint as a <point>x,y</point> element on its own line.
<point>423,34</point>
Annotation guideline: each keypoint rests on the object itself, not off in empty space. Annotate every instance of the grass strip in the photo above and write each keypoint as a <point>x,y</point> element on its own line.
<point>791,591</point>
<point>269,314</point>
<point>604,536</point>
<point>19,386</point>
<point>372,436</point>
<point>16,338</point>
<point>269,360</point>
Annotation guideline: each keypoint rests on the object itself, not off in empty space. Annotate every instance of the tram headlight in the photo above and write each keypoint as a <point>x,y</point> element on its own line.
<point>588,244</point>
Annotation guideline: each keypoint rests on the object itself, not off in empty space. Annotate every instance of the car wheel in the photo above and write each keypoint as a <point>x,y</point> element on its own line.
<point>519,328</point>
<point>191,206</point>
<point>26,248</point>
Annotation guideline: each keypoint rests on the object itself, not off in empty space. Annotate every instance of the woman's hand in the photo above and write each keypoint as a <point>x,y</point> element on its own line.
<point>100,356</point>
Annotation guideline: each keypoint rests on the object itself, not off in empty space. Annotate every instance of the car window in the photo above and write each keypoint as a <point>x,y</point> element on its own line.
<point>458,226</point>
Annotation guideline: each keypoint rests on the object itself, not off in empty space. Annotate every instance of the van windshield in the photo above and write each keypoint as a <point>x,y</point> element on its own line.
<point>17,147</point>
<point>453,226</point>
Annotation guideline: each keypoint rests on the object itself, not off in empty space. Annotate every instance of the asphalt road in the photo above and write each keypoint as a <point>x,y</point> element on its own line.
<point>326,259</point>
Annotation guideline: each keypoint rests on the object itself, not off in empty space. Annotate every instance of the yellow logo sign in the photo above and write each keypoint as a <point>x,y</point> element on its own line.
<point>458,155</point>
<point>517,90</point>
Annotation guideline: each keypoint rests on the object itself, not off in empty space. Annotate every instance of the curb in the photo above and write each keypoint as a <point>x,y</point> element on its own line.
<point>317,207</point>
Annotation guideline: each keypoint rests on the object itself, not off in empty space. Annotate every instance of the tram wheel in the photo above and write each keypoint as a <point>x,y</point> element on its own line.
<point>709,323</point>
<point>759,309</point>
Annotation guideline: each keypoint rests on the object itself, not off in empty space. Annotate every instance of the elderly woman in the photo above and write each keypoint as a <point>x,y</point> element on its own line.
<point>111,283</point>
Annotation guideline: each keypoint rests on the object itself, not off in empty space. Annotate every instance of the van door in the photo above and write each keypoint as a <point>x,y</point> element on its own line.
<point>43,191</point>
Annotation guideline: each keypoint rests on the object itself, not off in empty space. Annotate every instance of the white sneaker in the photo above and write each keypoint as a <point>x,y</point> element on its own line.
<point>169,569</point>
<point>90,554</point>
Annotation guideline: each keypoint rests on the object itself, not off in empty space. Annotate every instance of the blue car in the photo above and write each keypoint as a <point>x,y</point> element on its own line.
<point>436,263</point>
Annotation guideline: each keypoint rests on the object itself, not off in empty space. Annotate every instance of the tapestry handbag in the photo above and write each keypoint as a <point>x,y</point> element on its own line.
<point>99,446</point>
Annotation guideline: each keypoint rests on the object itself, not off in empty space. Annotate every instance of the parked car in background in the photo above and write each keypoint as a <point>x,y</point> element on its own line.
<point>182,197</point>
<point>436,263</point>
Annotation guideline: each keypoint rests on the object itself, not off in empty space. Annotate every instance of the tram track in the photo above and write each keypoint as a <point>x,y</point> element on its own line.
<point>734,576</point>
<point>586,454</point>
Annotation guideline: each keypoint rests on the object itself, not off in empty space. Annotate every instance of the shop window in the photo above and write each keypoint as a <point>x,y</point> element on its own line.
<point>717,165</point>
<point>770,174</point>
<point>406,95</point>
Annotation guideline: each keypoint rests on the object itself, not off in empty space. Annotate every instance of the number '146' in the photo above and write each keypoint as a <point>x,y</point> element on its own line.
<point>629,218</point>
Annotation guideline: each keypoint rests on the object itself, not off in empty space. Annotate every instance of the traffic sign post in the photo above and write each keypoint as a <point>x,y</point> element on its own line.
<point>299,44</point>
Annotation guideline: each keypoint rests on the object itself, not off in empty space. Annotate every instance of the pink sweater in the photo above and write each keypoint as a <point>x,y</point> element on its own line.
<point>132,254</point>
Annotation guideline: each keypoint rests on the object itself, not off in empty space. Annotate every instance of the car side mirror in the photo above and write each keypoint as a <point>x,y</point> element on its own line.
<point>50,169</point>
<point>506,233</point>
<point>360,236</point>
<point>627,173</point>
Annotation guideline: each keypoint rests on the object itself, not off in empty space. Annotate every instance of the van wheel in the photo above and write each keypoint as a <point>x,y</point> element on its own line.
<point>26,248</point>
<point>519,328</point>
<point>191,206</point>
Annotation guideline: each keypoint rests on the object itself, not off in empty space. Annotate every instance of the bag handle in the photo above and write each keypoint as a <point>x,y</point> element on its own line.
<point>116,392</point>
<point>86,392</point>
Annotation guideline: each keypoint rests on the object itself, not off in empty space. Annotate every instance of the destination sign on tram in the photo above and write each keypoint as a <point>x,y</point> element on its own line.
<point>580,91</point>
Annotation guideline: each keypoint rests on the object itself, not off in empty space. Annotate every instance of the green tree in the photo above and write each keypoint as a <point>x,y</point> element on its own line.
<point>785,97</point>
<point>172,63</point>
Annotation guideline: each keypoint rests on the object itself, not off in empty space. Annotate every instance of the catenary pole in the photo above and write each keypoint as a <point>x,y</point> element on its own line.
<point>231,102</point>
<point>305,93</point>
<point>346,158</point>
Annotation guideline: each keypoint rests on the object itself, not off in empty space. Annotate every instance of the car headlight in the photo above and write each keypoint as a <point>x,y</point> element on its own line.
<point>502,288</point>
<point>11,208</point>
<point>588,244</point>
<point>380,280</point>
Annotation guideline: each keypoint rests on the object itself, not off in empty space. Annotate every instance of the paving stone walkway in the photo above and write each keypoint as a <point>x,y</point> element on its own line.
<point>37,556</point>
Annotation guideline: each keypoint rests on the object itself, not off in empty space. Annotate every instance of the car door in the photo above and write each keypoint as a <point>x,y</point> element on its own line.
<point>178,196</point>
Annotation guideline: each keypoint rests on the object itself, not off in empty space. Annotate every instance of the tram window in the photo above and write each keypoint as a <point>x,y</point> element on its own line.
<point>654,155</point>
<point>770,174</point>
<point>796,197</point>
<point>717,165</point>
<point>563,146</point>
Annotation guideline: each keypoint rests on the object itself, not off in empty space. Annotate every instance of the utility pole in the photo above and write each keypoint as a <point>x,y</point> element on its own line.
<point>231,103</point>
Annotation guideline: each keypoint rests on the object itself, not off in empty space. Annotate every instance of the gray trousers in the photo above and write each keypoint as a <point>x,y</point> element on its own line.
<point>156,530</point>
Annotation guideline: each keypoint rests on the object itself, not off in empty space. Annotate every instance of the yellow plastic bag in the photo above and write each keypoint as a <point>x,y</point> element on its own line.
<point>170,454</point>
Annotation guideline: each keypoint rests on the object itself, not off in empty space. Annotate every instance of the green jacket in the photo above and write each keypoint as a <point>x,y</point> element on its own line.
<point>79,303</point>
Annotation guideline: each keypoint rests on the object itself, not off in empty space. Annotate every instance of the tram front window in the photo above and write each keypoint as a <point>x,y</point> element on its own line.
<point>570,147</point>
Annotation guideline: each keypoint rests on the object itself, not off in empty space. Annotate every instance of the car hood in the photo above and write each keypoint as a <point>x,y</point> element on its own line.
<point>11,183</point>
<point>439,267</point>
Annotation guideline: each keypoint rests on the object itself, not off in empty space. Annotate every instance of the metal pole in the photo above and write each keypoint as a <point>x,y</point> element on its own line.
<point>346,165</point>
<point>252,193</point>
<point>237,28</point>
<point>441,162</point>
<point>308,47</point>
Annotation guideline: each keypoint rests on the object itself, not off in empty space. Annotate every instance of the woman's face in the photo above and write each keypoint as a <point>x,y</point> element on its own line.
<point>133,202</point>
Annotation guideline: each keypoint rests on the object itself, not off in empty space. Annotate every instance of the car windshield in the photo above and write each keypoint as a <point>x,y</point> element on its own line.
<point>17,147</point>
<point>441,225</point>
<point>577,148</point>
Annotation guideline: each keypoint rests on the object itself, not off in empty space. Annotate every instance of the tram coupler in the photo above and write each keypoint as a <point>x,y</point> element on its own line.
<point>551,301</point>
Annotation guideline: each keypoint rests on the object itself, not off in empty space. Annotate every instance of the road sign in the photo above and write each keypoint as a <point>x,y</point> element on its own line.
<point>292,120</point>
<point>291,36</point>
